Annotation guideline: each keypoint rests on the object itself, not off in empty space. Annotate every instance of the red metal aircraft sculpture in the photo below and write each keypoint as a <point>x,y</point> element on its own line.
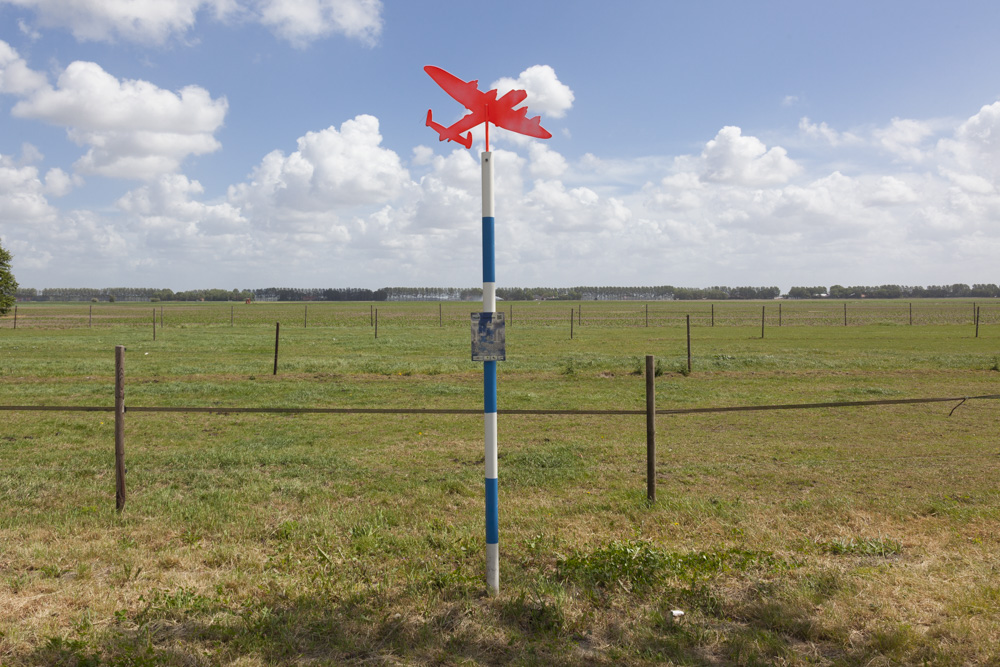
<point>483,108</point>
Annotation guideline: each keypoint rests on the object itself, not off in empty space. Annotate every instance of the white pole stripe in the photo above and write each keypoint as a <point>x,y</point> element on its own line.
<point>493,566</point>
<point>490,422</point>
<point>487,185</point>
<point>489,297</point>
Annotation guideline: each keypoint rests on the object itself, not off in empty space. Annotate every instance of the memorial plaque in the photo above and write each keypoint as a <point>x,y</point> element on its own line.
<point>489,341</point>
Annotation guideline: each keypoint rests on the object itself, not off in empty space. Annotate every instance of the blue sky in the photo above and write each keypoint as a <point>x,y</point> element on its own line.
<point>253,143</point>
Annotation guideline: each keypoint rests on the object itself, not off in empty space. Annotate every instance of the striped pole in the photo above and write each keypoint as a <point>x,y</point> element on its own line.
<point>490,384</point>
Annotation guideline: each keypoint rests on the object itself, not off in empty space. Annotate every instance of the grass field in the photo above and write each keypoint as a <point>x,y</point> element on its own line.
<point>862,536</point>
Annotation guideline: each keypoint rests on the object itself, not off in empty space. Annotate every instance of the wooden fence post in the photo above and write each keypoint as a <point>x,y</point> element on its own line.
<point>845,313</point>
<point>570,323</point>
<point>90,317</point>
<point>977,321</point>
<point>647,315</point>
<point>119,427</point>
<point>911,314</point>
<point>376,323</point>
<point>688,318</point>
<point>713,314</point>
<point>650,430</point>
<point>277,331</point>
<point>371,316</point>
<point>762,310</point>
<point>15,317</point>
<point>305,318</point>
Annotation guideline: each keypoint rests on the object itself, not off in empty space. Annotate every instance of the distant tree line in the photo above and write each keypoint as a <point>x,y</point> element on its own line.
<point>957,290</point>
<point>605,293</point>
<point>318,294</point>
<point>113,294</point>
<point>653,293</point>
<point>583,293</point>
<point>433,293</point>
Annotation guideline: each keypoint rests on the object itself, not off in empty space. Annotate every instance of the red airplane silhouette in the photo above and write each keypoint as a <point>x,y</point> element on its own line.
<point>483,108</point>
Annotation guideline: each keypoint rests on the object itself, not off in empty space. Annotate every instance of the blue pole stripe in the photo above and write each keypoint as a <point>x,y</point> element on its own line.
<point>489,386</point>
<point>492,511</point>
<point>489,251</point>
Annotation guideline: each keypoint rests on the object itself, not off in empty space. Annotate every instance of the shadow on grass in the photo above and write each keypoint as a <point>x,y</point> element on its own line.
<point>614,605</point>
<point>316,630</point>
<point>516,628</point>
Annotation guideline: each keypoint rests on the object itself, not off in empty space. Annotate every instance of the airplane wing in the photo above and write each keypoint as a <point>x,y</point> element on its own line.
<point>466,93</point>
<point>516,120</point>
<point>467,122</point>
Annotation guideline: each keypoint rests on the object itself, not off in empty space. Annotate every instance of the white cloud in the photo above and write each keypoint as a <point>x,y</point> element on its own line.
<point>89,98</point>
<point>982,131</point>
<point>16,78</point>
<point>446,195</point>
<point>890,191</point>
<point>903,138</point>
<point>157,21</point>
<point>545,162</point>
<point>547,95</point>
<point>30,154</point>
<point>733,158</point>
<point>58,183</point>
<point>303,21</point>
<point>973,183</point>
<point>974,150</point>
<point>551,208</point>
<point>28,31</point>
<point>332,171</point>
<point>132,128</point>
<point>826,134</point>
<point>22,195</point>
<point>168,206</point>
<point>140,21</point>
<point>422,155</point>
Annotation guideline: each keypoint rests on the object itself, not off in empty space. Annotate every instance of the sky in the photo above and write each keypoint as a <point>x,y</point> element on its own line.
<point>190,144</point>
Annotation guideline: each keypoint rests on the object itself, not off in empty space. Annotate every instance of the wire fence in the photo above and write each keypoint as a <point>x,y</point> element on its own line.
<point>613,314</point>
<point>651,412</point>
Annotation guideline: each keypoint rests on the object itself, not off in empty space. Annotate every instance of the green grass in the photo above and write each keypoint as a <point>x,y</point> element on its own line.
<point>826,536</point>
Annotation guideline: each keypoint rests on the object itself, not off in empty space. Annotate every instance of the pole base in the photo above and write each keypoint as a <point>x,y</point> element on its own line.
<point>493,568</point>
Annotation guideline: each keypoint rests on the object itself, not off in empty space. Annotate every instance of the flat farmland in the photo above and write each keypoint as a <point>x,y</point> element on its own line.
<point>861,535</point>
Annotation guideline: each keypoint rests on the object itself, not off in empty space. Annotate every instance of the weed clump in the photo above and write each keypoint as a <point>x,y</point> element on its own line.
<point>641,565</point>
<point>880,547</point>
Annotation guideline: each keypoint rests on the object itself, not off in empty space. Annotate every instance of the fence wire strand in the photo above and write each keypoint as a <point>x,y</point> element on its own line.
<point>460,411</point>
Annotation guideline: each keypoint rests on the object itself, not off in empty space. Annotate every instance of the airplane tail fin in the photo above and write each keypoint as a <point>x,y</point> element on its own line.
<point>444,134</point>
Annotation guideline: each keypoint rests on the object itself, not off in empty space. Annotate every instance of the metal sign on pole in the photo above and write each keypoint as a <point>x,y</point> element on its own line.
<point>487,327</point>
